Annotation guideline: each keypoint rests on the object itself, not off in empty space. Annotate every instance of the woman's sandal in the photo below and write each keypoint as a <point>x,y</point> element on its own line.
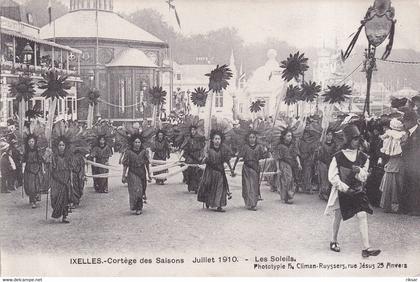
<point>335,247</point>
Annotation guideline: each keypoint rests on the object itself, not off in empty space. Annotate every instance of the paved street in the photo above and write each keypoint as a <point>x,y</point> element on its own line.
<point>174,225</point>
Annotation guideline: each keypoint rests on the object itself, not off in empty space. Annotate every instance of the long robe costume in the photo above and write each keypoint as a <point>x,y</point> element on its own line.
<point>136,162</point>
<point>307,147</point>
<point>324,156</point>
<point>193,152</point>
<point>33,174</point>
<point>60,185</point>
<point>391,185</point>
<point>286,156</point>
<point>161,151</point>
<point>377,170</point>
<point>214,187</point>
<point>78,178</point>
<point>251,173</point>
<point>100,155</point>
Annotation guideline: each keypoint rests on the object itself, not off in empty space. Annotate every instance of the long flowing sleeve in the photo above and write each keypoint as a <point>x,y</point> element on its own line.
<point>334,177</point>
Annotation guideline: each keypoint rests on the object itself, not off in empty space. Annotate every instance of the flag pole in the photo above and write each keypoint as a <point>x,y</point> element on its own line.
<point>98,114</point>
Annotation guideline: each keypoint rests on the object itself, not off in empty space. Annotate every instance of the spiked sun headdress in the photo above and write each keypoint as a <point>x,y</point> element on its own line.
<point>126,135</point>
<point>101,130</point>
<point>183,130</point>
<point>75,138</point>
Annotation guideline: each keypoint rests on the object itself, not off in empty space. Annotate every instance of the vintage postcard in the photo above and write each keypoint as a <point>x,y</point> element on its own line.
<point>209,138</point>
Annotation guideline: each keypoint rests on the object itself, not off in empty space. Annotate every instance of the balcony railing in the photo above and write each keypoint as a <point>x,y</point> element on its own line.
<point>18,68</point>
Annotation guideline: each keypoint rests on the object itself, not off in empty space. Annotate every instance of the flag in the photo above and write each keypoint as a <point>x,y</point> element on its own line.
<point>49,12</point>
<point>172,6</point>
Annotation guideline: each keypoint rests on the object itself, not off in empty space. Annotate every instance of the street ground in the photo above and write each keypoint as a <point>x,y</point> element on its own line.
<point>174,225</point>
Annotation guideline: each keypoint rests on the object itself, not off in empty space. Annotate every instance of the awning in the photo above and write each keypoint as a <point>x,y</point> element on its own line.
<point>132,57</point>
<point>41,41</point>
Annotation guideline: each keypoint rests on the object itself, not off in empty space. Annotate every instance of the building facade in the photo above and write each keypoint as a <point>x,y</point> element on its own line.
<point>17,39</point>
<point>186,78</point>
<point>264,84</point>
<point>118,58</point>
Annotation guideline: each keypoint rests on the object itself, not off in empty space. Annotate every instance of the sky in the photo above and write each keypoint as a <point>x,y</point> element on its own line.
<point>302,23</point>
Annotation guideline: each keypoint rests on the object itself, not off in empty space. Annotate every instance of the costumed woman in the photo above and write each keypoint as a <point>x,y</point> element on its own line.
<point>347,173</point>
<point>78,177</point>
<point>392,181</point>
<point>60,180</point>
<point>287,160</point>
<point>161,151</point>
<point>214,188</point>
<point>251,153</point>
<point>100,153</point>
<point>307,147</point>
<point>65,140</point>
<point>34,171</point>
<point>324,156</point>
<point>193,153</point>
<point>136,172</point>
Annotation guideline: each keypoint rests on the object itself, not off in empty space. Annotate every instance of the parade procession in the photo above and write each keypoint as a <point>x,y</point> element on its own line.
<point>107,127</point>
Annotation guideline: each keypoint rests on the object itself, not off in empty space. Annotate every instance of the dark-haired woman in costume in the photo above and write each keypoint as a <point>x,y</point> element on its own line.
<point>251,153</point>
<point>347,173</point>
<point>101,154</point>
<point>193,152</point>
<point>33,172</point>
<point>323,159</point>
<point>136,165</point>
<point>214,188</point>
<point>60,181</point>
<point>78,177</point>
<point>287,160</point>
<point>161,151</point>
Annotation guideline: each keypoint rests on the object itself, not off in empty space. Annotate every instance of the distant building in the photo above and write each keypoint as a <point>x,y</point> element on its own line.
<point>329,70</point>
<point>186,78</point>
<point>120,59</point>
<point>264,84</point>
<point>44,55</point>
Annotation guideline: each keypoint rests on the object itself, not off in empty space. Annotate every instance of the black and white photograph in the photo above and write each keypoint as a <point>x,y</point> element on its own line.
<point>209,138</point>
